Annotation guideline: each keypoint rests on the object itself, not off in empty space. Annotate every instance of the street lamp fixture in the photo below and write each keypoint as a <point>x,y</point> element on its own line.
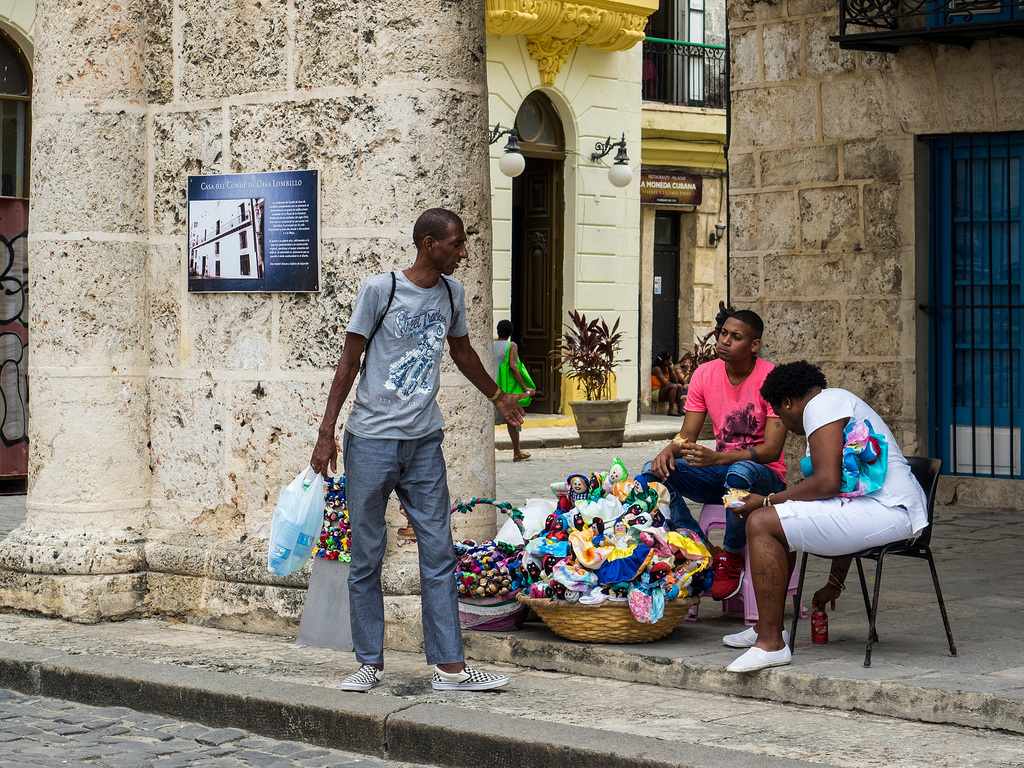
<point>620,174</point>
<point>718,234</point>
<point>512,162</point>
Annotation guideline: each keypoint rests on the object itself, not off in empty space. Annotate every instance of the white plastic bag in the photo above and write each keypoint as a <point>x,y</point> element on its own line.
<point>298,518</point>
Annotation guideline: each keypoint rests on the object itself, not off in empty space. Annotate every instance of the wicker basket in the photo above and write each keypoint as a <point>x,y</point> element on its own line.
<point>608,622</point>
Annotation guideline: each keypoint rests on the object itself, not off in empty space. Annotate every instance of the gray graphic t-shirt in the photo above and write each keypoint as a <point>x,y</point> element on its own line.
<point>396,397</point>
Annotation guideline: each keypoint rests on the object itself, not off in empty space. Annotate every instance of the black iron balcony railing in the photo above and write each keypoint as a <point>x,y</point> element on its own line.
<point>887,25</point>
<point>688,74</point>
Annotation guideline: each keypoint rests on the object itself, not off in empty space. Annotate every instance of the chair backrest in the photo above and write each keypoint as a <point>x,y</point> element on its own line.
<point>926,470</point>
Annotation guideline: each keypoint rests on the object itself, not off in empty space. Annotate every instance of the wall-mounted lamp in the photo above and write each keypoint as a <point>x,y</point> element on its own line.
<point>512,162</point>
<point>620,174</point>
<point>718,234</point>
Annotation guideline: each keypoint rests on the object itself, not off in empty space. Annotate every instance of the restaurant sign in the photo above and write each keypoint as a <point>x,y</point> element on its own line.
<point>669,188</point>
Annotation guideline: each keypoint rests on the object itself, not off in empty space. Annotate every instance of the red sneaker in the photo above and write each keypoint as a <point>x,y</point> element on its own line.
<point>728,575</point>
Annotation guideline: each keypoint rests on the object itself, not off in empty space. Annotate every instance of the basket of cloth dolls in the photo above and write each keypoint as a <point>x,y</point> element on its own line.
<point>609,623</point>
<point>488,577</point>
<point>608,567</point>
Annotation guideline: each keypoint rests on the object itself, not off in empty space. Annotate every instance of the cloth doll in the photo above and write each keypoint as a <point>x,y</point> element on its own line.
<point>579,489</point>
<point>626,559</point>
<point>647,595</point>
<point>616,474</point>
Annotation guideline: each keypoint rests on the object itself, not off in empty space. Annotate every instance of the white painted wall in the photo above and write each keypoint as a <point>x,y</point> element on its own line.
<point>597,95</point>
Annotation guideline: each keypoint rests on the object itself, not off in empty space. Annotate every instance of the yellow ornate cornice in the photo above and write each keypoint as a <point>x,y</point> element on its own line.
<point>554,28</point>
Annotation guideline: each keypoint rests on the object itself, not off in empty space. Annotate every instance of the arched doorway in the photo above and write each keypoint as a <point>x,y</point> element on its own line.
<point>15,132</point>
<point>538,215</point>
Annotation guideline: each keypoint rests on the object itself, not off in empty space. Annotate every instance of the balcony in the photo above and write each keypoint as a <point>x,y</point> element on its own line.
<point>888,25</point>
<point>684,74</point>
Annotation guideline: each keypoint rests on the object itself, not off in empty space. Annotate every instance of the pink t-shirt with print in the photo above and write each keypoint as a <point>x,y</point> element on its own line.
<point>738,413</point>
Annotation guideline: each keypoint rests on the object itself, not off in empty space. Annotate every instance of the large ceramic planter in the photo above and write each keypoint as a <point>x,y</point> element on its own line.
<point>601,423</point>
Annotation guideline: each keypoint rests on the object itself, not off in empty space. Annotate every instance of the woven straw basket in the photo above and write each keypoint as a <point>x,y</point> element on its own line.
<point>608,622</point>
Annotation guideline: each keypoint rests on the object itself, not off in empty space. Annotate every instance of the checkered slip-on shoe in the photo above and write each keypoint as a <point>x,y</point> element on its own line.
<point>365,678</point>
<point>468,679</point>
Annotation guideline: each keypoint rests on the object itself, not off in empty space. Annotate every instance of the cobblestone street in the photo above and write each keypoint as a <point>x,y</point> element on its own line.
<point>36,731</point>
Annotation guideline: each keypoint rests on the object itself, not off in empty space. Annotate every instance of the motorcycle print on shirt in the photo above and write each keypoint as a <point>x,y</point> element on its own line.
<point>414,372</point>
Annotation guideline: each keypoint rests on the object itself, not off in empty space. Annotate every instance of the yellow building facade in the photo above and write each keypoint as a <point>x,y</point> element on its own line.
<point>564,236</point>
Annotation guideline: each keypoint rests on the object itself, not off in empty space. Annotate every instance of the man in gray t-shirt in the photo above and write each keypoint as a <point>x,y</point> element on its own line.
<point>392,442</point>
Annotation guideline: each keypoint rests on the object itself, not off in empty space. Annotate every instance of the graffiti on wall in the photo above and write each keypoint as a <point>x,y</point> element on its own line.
<point>13,337</point>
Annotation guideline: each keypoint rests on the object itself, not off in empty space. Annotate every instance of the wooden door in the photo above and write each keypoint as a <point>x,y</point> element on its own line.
<point>665,304</point>
<point>537,212</point>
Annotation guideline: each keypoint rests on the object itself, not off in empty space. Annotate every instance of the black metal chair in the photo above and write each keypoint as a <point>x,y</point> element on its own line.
<point>927,473</point>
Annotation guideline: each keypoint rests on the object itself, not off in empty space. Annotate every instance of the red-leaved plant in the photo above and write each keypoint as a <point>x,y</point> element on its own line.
<point>587,352</point>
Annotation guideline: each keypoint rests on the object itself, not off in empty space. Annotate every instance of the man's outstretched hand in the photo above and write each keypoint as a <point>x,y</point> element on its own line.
<point>510,409</point>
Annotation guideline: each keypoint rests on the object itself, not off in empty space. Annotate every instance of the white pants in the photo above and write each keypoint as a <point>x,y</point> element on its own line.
<point>839,526</point>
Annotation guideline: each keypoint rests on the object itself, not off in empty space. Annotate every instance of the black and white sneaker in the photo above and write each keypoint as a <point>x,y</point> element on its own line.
<point>468,679</point>
<point>365,678</point>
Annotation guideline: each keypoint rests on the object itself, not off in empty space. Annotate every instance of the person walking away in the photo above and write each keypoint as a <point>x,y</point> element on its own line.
<point>502,345</point>
<point>392,442</point>
<point>749,441</point>
<point>831,512</point>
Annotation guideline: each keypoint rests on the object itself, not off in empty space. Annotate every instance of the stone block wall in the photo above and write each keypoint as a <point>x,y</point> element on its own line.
<point>163,423</point>
<point>827,191</point>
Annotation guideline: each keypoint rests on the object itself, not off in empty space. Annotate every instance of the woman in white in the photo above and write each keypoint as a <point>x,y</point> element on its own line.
<point>811,516</point>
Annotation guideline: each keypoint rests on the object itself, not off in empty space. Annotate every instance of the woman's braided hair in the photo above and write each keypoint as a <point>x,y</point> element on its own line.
<point>792,380</point>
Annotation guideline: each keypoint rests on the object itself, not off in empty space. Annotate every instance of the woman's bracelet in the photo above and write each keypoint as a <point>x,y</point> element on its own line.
<point>767,501</point>
<point>495,396</point>
<point>837,584</point>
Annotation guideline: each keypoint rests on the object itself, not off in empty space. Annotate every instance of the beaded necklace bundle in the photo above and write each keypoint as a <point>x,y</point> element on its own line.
<point>335,537</point>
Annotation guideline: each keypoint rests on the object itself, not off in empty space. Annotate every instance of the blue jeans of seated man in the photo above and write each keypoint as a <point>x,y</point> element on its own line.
<point>707,485</point>
<point>415,469</point>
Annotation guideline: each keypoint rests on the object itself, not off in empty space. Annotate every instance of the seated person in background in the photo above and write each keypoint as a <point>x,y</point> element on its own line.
<point>663,388</point>
<point>672,372</point>
<point>827,513</point>
<point>749,442</point>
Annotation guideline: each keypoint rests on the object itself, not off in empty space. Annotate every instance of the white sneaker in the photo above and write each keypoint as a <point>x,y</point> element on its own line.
<point>468,679</point>
<point>755,659</point>
<point>747,638</point>
<point>365,678</point>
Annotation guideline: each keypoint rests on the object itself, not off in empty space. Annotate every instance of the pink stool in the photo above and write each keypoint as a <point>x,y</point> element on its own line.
<point>713,516</point>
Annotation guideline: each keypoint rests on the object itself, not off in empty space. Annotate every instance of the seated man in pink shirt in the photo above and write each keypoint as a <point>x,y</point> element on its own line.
<point>749,439</point>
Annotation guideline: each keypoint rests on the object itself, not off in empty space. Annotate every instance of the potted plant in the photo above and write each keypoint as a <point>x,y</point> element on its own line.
<point>704,350</point>
<point>586,355</point>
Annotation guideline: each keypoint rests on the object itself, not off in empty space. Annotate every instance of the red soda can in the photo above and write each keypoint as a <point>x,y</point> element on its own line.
<point>819,627</point>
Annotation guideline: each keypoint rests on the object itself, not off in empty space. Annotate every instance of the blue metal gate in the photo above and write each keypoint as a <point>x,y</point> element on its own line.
<point>977,403</point>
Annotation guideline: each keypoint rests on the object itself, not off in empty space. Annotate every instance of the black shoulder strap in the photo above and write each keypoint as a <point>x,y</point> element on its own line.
<point>380,320</point>
<point>451,301</point>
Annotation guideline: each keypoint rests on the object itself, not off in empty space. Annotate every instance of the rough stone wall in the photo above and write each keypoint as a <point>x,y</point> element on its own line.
<point>164,423</point>
<point>825,191</point>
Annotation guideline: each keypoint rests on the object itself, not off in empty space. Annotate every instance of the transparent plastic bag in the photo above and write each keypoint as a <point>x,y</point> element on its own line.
<point>297,522</point>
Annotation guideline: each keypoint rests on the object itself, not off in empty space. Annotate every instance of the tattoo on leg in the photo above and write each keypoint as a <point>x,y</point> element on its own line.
<point>770,573</point>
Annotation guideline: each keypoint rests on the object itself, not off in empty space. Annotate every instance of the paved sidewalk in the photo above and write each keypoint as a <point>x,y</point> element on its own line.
<point>265,685</point>
<point>651,427</point>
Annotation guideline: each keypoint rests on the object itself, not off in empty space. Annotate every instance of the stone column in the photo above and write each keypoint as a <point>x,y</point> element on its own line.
<point>163,423</point>
<point>80,553</point>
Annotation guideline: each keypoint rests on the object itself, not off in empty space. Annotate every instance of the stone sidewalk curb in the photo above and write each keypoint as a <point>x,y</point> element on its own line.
<point>387,728</point>
<point>784,684</point>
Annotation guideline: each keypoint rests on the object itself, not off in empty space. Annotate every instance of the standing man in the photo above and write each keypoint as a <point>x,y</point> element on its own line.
<point>392,442</point>
<point>749,439</point>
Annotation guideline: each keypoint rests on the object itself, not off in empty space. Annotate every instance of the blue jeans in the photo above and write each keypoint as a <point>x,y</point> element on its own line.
<point>415,469</point>
<point>707,485</point>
